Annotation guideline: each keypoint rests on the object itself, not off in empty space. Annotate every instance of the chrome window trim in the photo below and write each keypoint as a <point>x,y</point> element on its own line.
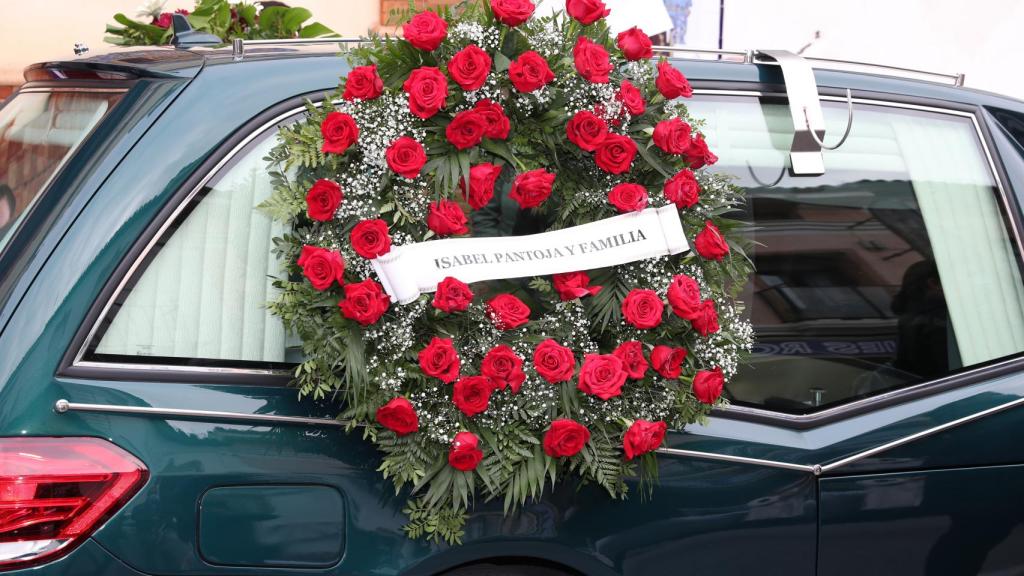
<point>68,89</point>
<point>63,406</point>
<point>171,368</point>
<point>726,411</point>
<point>79,360</point>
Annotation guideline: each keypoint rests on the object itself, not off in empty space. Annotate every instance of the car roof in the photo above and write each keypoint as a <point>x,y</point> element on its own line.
<point>171,61</point>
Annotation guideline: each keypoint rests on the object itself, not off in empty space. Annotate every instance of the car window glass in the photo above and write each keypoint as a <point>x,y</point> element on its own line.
<point>893,268</point>
<point>202,297</point>
<point>38,132</point>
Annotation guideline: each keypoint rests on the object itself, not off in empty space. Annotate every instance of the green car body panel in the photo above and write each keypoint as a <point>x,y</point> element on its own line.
<point>229,497</point>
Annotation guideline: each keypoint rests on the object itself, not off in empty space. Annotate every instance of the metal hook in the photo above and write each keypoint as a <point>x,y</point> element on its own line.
<point>849,124</point>
<point>764,184</point>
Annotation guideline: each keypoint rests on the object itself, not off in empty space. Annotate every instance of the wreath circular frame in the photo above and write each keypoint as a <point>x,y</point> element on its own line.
<point>367,363</point>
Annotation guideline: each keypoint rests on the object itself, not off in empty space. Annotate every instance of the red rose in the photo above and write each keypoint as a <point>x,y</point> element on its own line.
<point>627,197</point>
<point>425,31</point>
<point>668,361</point>
<point>531,189</point>
<point>370,238</point>
<point>512,12</point>
<point>406,157</point>
<point>586,11</point>
<point>602,375</point>
<point>697,153</point>
<point>339,131</point>
<point>642,308</point>
<point>707,385</point>
<point>671,82</point>
<point>710,243</point>
<point>643,437</point>
<point>553,362</point>
<point>465,453</point>
<point>632,355</point>
<point>323,200</point>
<point>427,89</point>
<point>615,154</point>
<point>322,267</point>
<point>507,312</point>
<point>631,97</point>
<point>452,295</point>
<point>684,296</point>
<point>481,184</point>
<point>672,136</point>
<point>635,44</point>
<point>565,438</point>
<point>398,416</point>
<point>705,319</point>
<point>586,130</point>
<point>164,20</point>
<point>365,302</point>
<point>529,72</point>
<point>363,83</point>
<point>440,360</point>
<point>573,285</point>
<point>683,190</point>
<point>446,217</point>
<point>504,367</point>
<point>471,394</point>
<point>469,67</point>
<point>497,123</point>
<point>591,60</point>
<point>466,129</point>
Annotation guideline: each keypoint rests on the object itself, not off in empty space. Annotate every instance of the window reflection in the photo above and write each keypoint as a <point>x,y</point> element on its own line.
<point>848,298</point>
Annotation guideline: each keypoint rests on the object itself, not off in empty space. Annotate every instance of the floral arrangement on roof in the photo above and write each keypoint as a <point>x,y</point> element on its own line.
<point>224,19</point>
<point>484,120</point>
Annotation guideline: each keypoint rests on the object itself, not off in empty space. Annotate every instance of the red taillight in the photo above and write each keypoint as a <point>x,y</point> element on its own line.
<point>55,491</point>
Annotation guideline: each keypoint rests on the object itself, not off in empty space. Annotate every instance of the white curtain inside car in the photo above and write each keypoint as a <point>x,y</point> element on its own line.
<point>974,255</point>
<point>204,294</point>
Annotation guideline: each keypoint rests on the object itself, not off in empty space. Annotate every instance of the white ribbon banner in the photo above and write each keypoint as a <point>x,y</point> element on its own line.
<point>414,269</point>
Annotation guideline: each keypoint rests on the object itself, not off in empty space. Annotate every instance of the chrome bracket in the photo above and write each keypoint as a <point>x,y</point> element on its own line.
<point>805,109</point>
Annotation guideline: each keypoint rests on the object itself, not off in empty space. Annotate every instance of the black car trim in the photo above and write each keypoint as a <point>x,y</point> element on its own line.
<point>74,364</point>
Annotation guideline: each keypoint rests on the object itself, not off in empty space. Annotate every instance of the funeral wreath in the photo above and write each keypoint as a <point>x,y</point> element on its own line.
<point>486,120</point>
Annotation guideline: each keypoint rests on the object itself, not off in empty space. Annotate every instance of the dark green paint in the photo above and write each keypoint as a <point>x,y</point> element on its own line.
<point>706,517</point>
<point>270,525</point>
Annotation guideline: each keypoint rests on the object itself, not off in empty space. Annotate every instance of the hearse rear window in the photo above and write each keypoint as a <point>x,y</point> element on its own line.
<point>38,132</point>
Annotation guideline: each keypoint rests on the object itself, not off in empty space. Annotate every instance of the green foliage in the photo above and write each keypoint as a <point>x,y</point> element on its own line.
<point>364,367</point>
<point>435,525</point>
<point>224,19</point>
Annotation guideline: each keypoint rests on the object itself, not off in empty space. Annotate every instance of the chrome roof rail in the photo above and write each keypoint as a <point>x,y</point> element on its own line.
<point>752,57</point>
<point>745,56</point>
<point>956,79</point>
<point>740,56</point>
<point>238,44</point>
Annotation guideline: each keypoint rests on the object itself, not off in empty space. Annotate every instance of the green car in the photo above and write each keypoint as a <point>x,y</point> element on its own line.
<point>146,425</point>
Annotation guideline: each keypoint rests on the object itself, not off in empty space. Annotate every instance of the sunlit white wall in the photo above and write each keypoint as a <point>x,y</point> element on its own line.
<point>46,29</point>
<point>982,38</point>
